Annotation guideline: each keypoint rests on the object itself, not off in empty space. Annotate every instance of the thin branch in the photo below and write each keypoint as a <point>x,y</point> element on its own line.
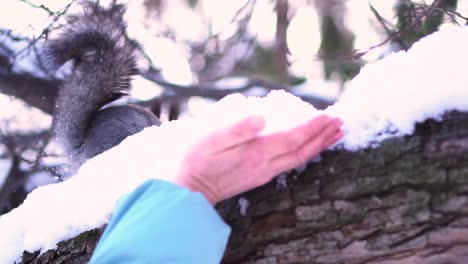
<point>209,90</point>
<point>14,180</point>
<point>248,5</point>
<point>35,91</point>
<point>383,23</point>
<point>9,34</point>
<point>216,92</point>
<point>41,6</point>
<point>398,34</point>
<point>447,11</point>
<point>18,144</point>
<point>47,29</point>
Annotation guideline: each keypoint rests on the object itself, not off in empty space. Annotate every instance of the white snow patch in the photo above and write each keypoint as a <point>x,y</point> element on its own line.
<point>390,95</point>
<point>243,205</point>
<point>197,105</point>
<point>39,179</point>
<point>281,110</point>
<point>282,181</point>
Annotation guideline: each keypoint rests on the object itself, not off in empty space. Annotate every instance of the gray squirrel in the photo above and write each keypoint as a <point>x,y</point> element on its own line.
<point>104,60</point>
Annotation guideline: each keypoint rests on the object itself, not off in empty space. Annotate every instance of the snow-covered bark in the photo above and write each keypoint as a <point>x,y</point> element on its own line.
<point>403,202</point>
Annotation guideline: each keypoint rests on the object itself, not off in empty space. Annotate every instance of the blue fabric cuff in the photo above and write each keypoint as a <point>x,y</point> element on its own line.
<point>161,222</point>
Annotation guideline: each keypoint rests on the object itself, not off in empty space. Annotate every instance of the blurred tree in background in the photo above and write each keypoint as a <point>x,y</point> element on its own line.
<point>417,20</point>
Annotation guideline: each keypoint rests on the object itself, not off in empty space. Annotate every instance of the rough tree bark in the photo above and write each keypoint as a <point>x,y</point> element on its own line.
<point>403,202</point>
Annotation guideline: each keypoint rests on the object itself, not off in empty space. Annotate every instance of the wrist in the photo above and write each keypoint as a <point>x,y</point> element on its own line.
<point>195,186</point>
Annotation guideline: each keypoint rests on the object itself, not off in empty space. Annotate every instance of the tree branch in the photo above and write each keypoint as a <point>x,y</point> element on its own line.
<point>47,29</point>
<point>37,92</point>
<point>41,6</point>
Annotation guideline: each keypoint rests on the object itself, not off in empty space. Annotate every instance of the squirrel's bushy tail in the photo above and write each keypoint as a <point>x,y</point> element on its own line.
<point>104,61</point>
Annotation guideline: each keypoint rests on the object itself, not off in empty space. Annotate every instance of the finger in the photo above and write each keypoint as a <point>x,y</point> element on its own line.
<point>287,141</point>
<point>317,145</point>
<point>301,155</point>
<point>310,149</point>
<point>338,135</point>
<point>235,134</point>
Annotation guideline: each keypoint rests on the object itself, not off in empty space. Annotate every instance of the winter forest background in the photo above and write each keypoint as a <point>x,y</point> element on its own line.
<point>198,52</point>
<point>195,53</point>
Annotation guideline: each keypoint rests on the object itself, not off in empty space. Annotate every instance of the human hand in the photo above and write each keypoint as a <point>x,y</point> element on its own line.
<point>236,159</point>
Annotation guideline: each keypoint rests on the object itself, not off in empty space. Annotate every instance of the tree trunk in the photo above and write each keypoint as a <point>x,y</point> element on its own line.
<point>281,47</point>
<point>77,250</point>
<point>403,202</point>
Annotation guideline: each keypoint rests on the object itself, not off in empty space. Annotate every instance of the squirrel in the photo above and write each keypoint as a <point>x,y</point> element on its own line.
<point>104,60</point>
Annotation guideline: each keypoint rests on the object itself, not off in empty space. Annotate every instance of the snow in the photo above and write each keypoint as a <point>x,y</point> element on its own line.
<point>388,97</point>
<point>197,105</point>
<point>243,205</point>
<point>281,181</point>
<point>385,100</point>
<point>39,179</point>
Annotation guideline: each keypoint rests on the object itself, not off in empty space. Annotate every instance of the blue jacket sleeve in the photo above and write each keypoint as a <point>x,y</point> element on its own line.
<point>160,222</point>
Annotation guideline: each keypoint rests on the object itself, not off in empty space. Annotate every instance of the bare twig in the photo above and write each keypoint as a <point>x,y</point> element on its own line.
<point>384,23</point>
<point>425,12</point>
<point>12,184</point>
<point>41,6</point>
<point>451,13</point>
<point>9,34</point>
<point>18,144</point>
<point>35,91</point>
<point>209,90</point>
<point>47,29</point>
<point>248,5</point>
